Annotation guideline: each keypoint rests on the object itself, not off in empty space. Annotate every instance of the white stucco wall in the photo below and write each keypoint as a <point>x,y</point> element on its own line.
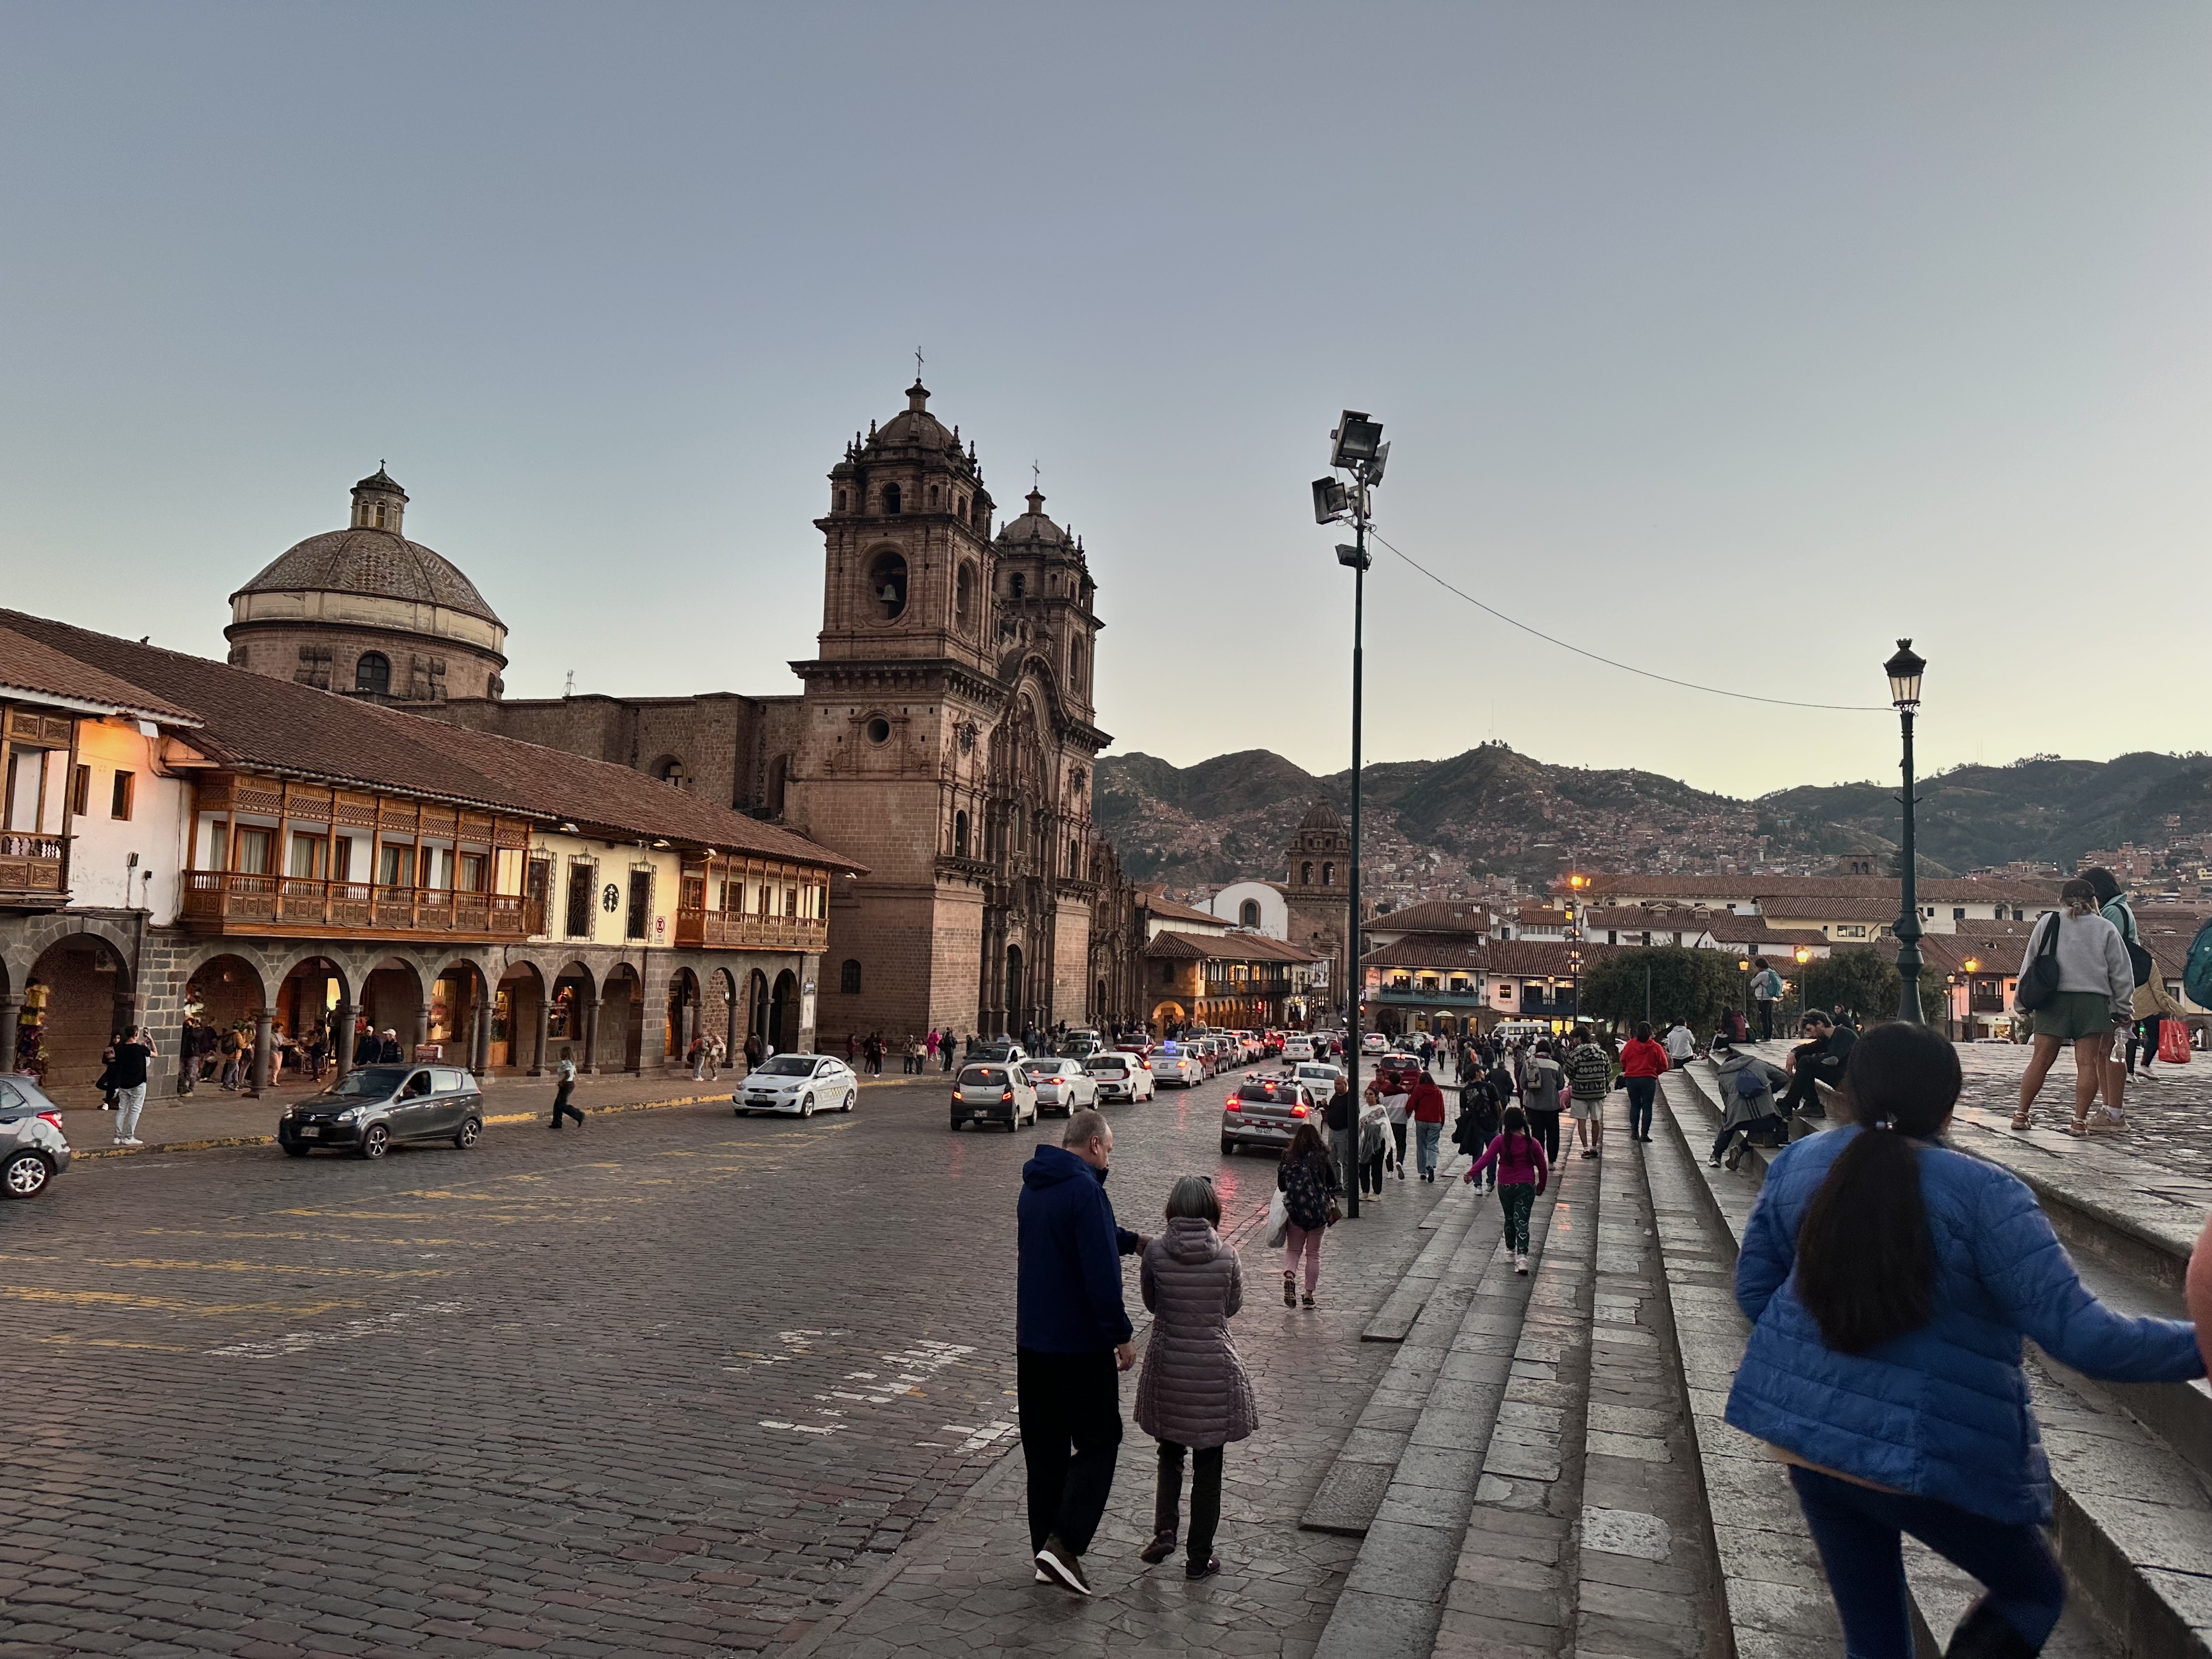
<point>1274,910</point>
<point>100,873</point>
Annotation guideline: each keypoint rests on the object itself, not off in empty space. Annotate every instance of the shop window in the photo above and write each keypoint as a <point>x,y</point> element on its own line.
<point>848,979</point>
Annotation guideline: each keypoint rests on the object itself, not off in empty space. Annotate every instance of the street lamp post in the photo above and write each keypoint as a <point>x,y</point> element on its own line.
<point>1357,448</point>
<point>1804,972</point>
<point>1905,670</point>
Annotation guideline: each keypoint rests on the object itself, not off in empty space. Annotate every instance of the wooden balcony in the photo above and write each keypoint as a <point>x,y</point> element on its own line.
<point>736,930</point>
<point>227,902</point>
<point>34,870</point>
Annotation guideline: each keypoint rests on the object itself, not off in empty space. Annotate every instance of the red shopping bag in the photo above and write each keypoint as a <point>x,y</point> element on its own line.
<point>2173,1042</point>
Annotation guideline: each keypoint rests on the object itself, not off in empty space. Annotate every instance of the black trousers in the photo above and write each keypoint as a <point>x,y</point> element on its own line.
<point>1071,1413</point>
<point>1765,1021</point>
<point>2143,1037</point>
<point>560,1104</point>
<point>1398,1134</point>
<point>1205,1497</point>
<point>1545,1125</point>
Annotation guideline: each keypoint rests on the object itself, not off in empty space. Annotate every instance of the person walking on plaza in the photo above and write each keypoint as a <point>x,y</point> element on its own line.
<point>2096,996</point>
<point>697,1057</point>
<point>717,1051</point>
<point>1643,1063</point>
<point>1539,1099</point>
<point>752,1051</point>
<point>127,1076</point>
<point>2154,1007</point>
<point>1590,1077</point>
<point>564,1085</point>
<point>1765,992</point>
<point>1193,1396</point>
<point>1307,1181</point>
<point>1479,1101</point>
<point>1374,1143</point>
<point>1524,1172</point>
<point>234,1059</point>
<point>1341,1113</point>
<point>1889,1282</point>
<point>1072,1334</point>
<point>1821,1058</point>
<point>2113,906</point>
<point>1682,1044</point>
<point>1426,1107</point>
<point>929,1045</point>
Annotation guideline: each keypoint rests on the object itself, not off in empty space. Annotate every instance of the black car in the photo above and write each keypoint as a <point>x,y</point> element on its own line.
<point>375,1108</point>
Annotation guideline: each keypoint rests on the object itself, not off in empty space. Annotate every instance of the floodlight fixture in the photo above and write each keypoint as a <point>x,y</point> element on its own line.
<point>1375,467</point>
<point>1331,500</point>
<point>1356,439</point>
<point>1905,670</point>
<point>1353,558</point>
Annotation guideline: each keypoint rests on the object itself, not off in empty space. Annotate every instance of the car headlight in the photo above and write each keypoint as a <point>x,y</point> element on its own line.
<point>352,1115</point>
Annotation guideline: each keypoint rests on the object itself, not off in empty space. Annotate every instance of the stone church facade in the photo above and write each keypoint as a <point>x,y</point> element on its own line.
<point>945,738</point>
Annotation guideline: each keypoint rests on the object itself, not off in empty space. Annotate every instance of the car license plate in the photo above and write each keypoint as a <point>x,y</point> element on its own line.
<point>977,1118</point>
<point>310,1134</point>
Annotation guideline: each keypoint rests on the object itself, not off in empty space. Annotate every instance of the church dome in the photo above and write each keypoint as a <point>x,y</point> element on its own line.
<point>914,427</point>
<point>1321,816</point>
<point>377,562</point>
<point>1033,526</point>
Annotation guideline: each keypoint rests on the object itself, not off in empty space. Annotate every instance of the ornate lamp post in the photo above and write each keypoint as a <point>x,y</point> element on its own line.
<point>1905,670</point>
<point>1804,969</point>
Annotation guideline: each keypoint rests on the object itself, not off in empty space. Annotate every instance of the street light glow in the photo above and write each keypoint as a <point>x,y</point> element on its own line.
<point>1905,670</point>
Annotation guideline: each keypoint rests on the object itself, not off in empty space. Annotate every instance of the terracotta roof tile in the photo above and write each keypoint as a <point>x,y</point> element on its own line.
<point>36,669</point>
<point>1435,916</point>
<point>259,724</point>
<point>1225,947</point>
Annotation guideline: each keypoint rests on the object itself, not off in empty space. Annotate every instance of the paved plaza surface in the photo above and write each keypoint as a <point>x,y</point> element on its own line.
<point>678,1382</point>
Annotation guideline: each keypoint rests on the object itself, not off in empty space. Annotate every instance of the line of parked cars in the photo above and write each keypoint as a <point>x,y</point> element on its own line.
<point>1001,1084</point>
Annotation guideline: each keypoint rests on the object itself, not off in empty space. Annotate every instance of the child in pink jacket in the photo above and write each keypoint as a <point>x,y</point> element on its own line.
<point>1522,1174</point>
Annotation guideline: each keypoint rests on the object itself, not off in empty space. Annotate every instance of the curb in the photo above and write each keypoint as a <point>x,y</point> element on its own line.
<point>216,1142</point>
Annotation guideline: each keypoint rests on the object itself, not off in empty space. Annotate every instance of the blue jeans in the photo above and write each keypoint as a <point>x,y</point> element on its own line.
<point>1641,1090</point>
<point>1425,1136</point>
<point>1859,1530</point>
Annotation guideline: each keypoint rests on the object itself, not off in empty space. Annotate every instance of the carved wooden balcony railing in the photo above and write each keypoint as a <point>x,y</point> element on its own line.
<point>738,930</point>
<point>33,870</point>
<point>227,902</point>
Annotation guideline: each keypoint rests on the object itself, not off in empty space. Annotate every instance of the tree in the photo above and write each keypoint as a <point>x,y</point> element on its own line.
<point>1862,979</point>
<point>1697,986</point>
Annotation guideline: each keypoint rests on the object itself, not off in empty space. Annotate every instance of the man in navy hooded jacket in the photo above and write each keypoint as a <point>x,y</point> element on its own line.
<point>1071,1335</point>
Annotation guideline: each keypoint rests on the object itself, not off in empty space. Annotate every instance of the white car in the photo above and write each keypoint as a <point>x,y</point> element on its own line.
<point>1173,1064</point>
<point>1120,1077</point>
<point>1318,1075</point>
<point>1062,1085</point>
<point>993,1091</point>
<point>797,1086</point>
<point>1297,1047</point>
<point>1374,1043</point>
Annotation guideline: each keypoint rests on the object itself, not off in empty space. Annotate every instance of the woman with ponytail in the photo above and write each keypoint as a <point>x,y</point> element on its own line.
<point>1889,1282</point>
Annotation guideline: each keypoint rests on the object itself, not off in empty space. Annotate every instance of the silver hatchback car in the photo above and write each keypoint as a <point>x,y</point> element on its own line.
<point>33,1146</point>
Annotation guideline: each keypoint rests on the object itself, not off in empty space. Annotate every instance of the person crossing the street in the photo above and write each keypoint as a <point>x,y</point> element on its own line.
<point>1071,1335</point>
<point>1643,1063</point>
<point>1426,1107</point>
<point>564,1085</point>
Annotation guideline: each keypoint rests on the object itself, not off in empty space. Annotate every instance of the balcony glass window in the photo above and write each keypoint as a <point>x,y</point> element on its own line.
<point>306,860</point>
<point>253,851</point>
<point>394,865</point>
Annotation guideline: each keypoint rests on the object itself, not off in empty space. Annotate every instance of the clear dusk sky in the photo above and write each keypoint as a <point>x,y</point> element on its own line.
<point>1733,341</point>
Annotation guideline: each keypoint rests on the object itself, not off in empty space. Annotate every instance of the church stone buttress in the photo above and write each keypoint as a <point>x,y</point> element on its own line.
<point>945,741</point>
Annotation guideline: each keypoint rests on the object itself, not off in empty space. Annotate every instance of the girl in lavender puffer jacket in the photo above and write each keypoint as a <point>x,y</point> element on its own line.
<point>1522,1173</point>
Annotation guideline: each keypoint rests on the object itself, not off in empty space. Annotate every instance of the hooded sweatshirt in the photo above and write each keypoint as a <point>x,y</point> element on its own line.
<point>2092,957</point>
<point>1737,1108</point>
<point>1068,1286</point>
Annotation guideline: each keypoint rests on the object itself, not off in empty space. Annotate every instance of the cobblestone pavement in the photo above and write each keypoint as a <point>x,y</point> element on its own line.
<point>676,1383</point>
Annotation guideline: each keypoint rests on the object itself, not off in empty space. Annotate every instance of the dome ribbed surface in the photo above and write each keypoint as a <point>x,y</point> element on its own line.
<point>1321,816</point>
<point>376,563</point>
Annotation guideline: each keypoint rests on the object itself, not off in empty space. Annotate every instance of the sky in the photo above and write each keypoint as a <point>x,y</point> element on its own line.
<point>1731,342</point>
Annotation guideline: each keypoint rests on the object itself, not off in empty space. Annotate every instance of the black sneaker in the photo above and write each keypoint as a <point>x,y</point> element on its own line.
<point>1205,1569</point>
<point>1153,1554</point>
<point>1059,1561</point>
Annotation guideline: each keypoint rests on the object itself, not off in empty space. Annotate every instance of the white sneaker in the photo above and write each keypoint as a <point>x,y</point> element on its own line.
<point>1520,1262</point>
<point>134,1142</point>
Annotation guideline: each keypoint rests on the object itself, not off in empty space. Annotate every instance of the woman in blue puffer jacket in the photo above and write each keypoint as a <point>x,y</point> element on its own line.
<point>1889,1282</point>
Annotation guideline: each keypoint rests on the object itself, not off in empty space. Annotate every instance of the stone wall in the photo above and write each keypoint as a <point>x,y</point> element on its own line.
<point>273,648</point>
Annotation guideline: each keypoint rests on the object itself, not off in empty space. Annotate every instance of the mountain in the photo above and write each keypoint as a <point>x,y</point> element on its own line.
<point>1493,818</point>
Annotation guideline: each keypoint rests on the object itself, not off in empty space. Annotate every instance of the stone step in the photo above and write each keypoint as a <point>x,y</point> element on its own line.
<point>1353,1489</point>
<point>1394,1598</point>
<point>1772,1576</point>
<point>1446,1224</point>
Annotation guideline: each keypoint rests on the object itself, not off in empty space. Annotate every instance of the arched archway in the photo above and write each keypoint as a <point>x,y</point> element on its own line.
<point>460,1014</point>
<point>520,1018</point>
<point>783,1012</point>
<point>721,1014</point>
<point>306,1031</point>
<point>570,1012</point>
<point>758,1010</point>
<point>224,994</point>
<point>396,1004</point>
<point>682,1023</point>
<point>621,1021</point>
<point>76,997</point>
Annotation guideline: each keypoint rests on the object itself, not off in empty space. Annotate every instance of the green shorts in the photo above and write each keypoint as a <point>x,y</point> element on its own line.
<point>2075,1014</point>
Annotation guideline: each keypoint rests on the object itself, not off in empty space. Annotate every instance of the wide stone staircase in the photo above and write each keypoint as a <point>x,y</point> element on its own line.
<point>1544,1468</point>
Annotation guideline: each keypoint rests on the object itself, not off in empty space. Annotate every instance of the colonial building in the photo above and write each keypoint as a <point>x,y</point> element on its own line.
<point>945,739</point>
<point>363,610</point>
<point>200,839</point>
<point>1237,981</point>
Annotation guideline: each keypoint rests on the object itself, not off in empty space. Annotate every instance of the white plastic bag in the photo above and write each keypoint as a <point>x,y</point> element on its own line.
<point>1279,1221</point>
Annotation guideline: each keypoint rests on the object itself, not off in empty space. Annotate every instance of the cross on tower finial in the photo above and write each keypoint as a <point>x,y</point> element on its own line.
<point>1036,475</point>
<point>917,362</point>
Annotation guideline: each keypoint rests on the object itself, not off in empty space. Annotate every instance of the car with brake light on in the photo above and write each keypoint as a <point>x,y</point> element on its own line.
<point>1062,1085</point>
<point>1374,1043</point>
<point>1173,1064</point>
<point>372,1108</point>
<point>1318,1075</point>
<point>993,1093</point>
<point>1265,1111</point>
<point>1297,1047</point>
<point>797,1084</point>
<point>1120,1076</point>
<point>33,1145</point>
<point>1081,1043</point>
<point>1396,1073</point>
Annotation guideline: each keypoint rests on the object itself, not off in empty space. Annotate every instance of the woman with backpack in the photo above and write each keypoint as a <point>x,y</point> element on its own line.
<point>1523,1171</point>
<point>1889,1282</point>
<point>2083,993</point>
<point>1542,1096</point>
<point>1478,1104</point>
<point>1307,1180</point>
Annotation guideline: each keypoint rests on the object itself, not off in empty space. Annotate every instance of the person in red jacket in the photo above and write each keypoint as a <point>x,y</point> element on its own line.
<point>1425,1106</point>
<point>1643,1062</point>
